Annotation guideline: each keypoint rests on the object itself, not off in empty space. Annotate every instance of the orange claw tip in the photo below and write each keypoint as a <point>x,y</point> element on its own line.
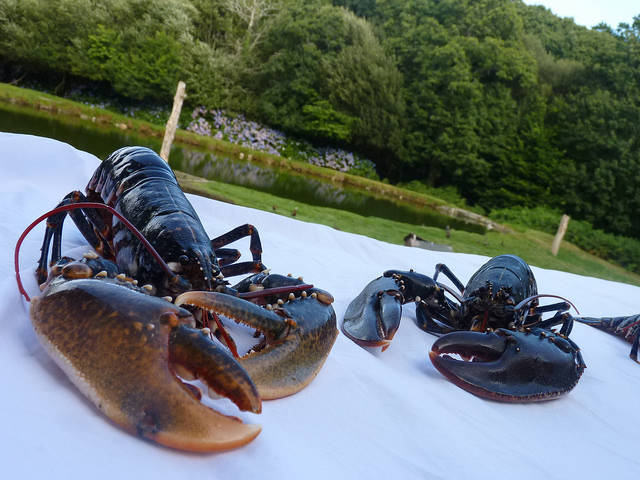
<point>223,433</point>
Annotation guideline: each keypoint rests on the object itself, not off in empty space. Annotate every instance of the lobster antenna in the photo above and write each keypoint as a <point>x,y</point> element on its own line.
<point>75,206</point>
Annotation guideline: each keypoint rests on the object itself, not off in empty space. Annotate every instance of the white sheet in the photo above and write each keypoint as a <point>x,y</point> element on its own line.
<point>366,415</point>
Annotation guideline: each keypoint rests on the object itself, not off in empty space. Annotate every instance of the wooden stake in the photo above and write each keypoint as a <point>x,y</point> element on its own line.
<point>562,229</point>
<point>172,123</point>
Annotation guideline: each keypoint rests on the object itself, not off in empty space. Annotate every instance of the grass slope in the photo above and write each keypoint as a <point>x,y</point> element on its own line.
<point>531,245</point>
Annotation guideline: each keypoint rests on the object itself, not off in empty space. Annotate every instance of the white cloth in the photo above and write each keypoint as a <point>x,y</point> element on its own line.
<point>366,415</point>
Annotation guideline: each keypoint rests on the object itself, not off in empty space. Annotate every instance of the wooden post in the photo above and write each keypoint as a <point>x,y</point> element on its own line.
<point>562,229</point>
<point>172,123</point>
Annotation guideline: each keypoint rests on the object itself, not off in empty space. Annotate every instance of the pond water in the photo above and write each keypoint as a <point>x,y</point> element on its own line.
<point>101,141</point>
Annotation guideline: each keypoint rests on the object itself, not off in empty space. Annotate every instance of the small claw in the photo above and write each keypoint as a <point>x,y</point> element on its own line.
<point>413,284</point>
<point>297,340</point>
<point>509,366</point>
<point>373,317</point>
<point>286,366</point>
<point>237,309</point>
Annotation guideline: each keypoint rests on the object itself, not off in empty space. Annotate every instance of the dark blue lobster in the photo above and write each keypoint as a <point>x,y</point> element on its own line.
<point>504,349</point>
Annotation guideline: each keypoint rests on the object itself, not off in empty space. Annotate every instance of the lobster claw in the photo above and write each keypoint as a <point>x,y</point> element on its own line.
<point>373,317</point>
<point>510,366</point>
<point>298,333</point>
<point>122,347</point>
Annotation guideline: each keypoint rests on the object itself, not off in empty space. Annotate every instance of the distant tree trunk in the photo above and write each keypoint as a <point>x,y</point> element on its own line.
<point>172,123</point>
<point>562,229</point>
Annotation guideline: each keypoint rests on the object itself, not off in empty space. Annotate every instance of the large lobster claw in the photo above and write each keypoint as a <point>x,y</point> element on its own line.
<point>121,347</point>
<point>510,366</point>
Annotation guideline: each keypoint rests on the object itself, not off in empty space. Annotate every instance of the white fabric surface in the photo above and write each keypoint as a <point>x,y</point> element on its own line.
<point>366,415</point>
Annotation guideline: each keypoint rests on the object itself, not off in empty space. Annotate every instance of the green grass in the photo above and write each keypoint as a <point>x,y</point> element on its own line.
<point>531,245</point>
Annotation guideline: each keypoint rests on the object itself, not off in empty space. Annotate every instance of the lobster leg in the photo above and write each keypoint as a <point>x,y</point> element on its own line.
<point>559,318</point>
<point>232,269</point>
<point>441,267</point>
<point>433,320</point>
<point>90,223</point>
<point>227,256</point>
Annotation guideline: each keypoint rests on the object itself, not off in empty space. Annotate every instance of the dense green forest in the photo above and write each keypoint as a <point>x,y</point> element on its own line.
<point>506,102</point>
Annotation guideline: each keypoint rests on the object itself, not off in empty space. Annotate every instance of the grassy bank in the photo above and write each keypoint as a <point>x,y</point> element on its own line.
<point>532,245</point>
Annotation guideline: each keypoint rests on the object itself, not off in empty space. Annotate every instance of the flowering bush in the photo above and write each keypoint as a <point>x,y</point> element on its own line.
<point>252,135</point>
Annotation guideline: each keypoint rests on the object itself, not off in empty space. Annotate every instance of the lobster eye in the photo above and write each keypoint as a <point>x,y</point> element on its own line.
<point>184,260</point>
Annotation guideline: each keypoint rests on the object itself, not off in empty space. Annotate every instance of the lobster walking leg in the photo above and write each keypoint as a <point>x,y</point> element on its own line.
<point>561,317</point>
<point>441,267</point>
<point>228,255</point>
<point>90,223</point>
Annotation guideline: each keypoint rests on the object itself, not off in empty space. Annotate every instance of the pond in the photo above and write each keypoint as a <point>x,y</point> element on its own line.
<point>101,141</point>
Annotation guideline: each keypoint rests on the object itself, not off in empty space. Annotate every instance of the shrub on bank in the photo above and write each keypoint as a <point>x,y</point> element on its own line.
<point>237,129</point>
<point>624,251</point>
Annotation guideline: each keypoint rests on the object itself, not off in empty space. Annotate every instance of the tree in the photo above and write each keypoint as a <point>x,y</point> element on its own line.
<point>251,12</point>
<point>323,74</point>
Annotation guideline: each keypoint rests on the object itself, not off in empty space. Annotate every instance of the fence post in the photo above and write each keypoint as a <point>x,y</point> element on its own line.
<point>172,123</point>
<point>562,229</point>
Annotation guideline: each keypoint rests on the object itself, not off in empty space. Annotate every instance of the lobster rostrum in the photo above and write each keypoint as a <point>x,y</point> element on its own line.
<point>494,342</point>
<point>295,321</point>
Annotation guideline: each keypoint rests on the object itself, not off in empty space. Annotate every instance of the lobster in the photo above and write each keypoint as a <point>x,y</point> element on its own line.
<point>495,322</point>
<point>148,234</point>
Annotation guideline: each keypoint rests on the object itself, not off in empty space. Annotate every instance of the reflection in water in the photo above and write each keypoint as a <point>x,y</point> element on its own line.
<point>102,141</point>
<point>306,190</point>
<point>207,165</point>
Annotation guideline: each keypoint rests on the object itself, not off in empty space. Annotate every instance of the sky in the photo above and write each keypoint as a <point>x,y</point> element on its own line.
<point>591,12</point>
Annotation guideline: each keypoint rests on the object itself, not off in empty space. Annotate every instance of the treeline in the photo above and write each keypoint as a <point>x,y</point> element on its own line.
<point>508,103</point>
